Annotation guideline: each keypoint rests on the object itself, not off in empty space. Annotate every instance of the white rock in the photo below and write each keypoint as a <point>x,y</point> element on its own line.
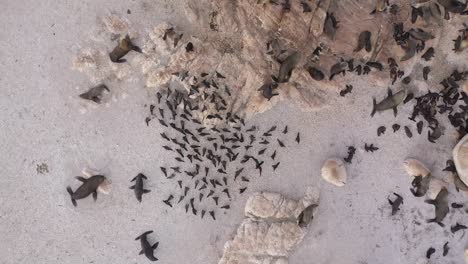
<point>435,185</point>
<point>460,157</point>
<point>270,231</point>
<point>465,86</point>
<point>334,172</point>
<point>466,256</point>
<point>415,168</point>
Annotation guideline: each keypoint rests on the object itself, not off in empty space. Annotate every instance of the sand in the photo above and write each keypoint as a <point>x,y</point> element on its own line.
<point>47,139</point>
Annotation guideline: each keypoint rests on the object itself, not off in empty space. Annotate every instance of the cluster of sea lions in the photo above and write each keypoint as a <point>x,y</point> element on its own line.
<point>214,148</point>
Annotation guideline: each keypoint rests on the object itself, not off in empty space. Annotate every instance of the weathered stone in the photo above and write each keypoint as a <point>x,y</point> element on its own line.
<point>271,230</point>
<point>232,36</point>
<point>415,168</point>
<point>334,172</point>
<point>460,158</point>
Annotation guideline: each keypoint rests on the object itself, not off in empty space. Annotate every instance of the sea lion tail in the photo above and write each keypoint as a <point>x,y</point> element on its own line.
<point>70,191</point>
<point>374,105</point>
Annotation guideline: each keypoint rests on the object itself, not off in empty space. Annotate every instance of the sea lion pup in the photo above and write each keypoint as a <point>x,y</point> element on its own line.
<point>267,90</point>
<point>391,102</point>
<point>420,185</point>
<point>396,203</point>
<point>95,94</point>
<point>306,216</point>
<point>124,46</point>
<point>138,187</point>
<point>287,66</point>
<point>88,187</point>
<point>453,6</point>
<point>364,42</point>
<point>441,207</point>
<point>331,25</point>
<point>146,248</point>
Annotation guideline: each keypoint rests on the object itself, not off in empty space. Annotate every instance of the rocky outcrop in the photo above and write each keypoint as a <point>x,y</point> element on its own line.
<point>246,41</point>
<point>273,228</point>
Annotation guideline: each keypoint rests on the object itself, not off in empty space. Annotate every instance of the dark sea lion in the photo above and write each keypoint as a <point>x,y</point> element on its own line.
<point>146,247</point>
<point>138,187</point>
<point>124,46</point>
<point>88,187</point>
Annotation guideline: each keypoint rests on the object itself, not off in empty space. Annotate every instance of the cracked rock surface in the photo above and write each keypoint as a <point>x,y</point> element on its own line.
<point>270,231</point>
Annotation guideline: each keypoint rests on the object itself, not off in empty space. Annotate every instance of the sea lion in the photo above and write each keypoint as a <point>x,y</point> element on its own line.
<point>441,207</point>
<point>88,187</point>
<point>138,187</point>
<point>124,46</point>
<point>146,248</point>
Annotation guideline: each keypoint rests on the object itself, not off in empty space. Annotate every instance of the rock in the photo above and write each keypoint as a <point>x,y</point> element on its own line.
<point>459,184</point>
<point>415,168</point>
<point>318,19</point>
<point>466,256</point>
<point>270,231</point>
<point>465,86</point>
<point>233,37</point>
<point>460,158</point>
<point>435,185</point>
<point>334,172</point>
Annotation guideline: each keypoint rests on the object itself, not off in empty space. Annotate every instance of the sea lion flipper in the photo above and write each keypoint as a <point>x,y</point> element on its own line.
<point>395,111</point>
<point>95,195</point>
<point>132,187</point>
<point>70,191</point>
<point>81,179</point>
<point>146,191</point>
<point>374,107</point>
<point>152,258</point>
<point>144,234</point>
<point>141,252</point>
<point>430,201</point>
<point>137,49</point>
<point>155,246</point>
